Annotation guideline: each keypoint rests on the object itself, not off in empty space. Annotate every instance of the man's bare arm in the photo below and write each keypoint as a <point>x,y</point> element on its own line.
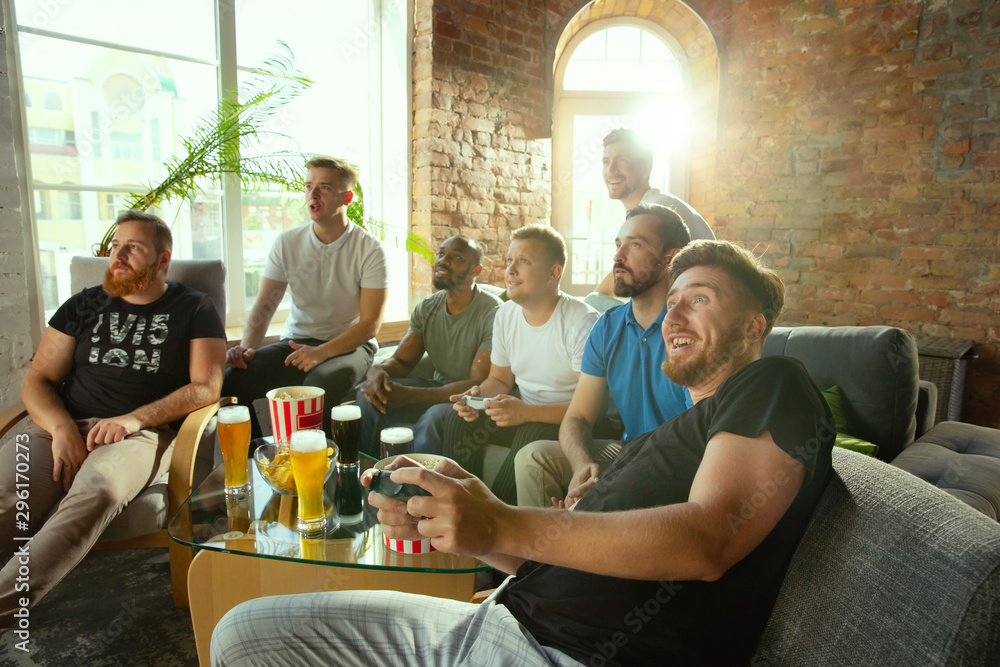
<point>268,298</point>
<point>205,368</point>
<point>442,394</point>
<point>40,393</point>
<point>499,381</point>
<point>576,433</point>
<point>49,368</point>
<point>378,384</point>
<point>407,355</point>
<point>694,540</point>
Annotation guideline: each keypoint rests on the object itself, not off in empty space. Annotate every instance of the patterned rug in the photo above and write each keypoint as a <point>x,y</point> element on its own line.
<point>115,608</point>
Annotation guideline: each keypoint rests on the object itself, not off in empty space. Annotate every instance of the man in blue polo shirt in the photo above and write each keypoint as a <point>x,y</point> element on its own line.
<point>623,356</point>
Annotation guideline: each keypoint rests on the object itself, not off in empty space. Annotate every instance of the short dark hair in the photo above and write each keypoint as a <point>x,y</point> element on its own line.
<point>757,287</point>
<point>673,232</point>
<point>348,176</point>
<point>555,245</point>
<point>470,243</point>
<point>163,240</point>
<point>634,142</point>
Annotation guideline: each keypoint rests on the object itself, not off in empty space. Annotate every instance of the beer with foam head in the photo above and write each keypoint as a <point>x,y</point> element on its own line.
<point>234,440</point>
<point>345,422</point>
<point>309,466</point>
<point>396,440</point>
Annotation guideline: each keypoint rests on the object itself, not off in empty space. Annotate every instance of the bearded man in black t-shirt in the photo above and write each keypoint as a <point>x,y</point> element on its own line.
<point>117,366</point>
<point>675,556</point>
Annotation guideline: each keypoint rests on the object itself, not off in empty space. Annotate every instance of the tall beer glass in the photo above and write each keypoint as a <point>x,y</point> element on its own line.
<point>396,440</point>
<point>234,440</point>
<point>308,454</point>
<point>345,422</point>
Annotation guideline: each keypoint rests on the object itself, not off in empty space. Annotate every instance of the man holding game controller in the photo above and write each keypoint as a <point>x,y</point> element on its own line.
<point>454,326</point>
<point>623,357</point>
<point>675,556</point>
<point>538,341</point>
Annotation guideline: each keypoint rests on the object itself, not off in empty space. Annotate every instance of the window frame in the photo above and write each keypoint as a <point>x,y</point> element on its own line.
<point>230,193</point>
<point>567,104</point>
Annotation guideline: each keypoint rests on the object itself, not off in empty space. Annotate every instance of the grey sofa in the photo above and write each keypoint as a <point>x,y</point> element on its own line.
<point>891,570</point>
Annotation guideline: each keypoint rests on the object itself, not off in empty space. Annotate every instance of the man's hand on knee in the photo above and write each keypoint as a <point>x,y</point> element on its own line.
<point>583,480</point>
<point>112,429</point>
<point>68,453</point>
<point>305,357</point>
<point>238,356</point>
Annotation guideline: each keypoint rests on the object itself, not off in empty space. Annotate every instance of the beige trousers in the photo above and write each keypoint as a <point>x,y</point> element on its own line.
<point>110,477</point>
<point>543,472</point>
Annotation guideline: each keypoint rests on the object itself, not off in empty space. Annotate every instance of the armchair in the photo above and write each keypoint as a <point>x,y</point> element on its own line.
<point>142,524</point>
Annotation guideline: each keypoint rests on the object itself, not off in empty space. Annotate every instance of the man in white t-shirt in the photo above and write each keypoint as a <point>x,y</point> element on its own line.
<point>627,164</point>
<point>538,340</point>
<point>337,275</point>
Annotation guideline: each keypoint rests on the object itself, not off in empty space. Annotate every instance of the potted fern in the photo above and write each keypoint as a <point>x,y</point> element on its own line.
<point>221,144</point>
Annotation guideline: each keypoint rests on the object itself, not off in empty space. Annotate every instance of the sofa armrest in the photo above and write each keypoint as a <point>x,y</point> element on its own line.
<point>926,406</point>
<point>10,416</point>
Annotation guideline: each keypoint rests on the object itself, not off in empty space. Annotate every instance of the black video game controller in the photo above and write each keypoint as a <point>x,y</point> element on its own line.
<point>382,483</point>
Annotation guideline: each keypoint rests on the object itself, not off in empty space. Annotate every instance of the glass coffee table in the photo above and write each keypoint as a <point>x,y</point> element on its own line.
<point>249,548</point>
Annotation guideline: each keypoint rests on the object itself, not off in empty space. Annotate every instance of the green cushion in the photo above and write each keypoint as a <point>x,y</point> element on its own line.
<point>840,407</point>
<point>856,444</point>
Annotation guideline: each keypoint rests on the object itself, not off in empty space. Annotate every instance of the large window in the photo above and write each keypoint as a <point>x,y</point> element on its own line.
<point>616,73</point>
<point>117,96</point>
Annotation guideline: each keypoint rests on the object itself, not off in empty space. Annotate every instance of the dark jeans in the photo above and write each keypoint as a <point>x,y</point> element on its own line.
<point>418,416</point>
<point>465,443</point>
<point>267,370</point>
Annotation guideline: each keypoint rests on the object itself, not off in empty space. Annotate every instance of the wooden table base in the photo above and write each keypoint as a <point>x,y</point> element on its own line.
<point>218,581</point>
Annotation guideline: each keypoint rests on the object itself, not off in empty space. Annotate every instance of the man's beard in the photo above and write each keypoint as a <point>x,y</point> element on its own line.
<point>136,280</point>
<point>448,282</point>
<point>694,372</point>
<point>638,286</point>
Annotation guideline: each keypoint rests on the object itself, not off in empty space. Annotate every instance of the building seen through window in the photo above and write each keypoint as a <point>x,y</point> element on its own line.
<point>115,102</point>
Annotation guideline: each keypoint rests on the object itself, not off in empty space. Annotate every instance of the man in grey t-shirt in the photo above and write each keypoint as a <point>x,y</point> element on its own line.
<point>455,328</point>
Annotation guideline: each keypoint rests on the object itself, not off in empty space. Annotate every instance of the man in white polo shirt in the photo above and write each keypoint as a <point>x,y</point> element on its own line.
<point>338,280</point>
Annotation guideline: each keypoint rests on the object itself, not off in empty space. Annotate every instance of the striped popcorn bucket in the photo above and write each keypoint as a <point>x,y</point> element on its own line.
<point>294,409</point>
<point>409,546</point>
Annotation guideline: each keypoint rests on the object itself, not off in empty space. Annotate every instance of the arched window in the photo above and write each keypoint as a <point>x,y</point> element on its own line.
<point>52,101</point>
<point>615,73</point>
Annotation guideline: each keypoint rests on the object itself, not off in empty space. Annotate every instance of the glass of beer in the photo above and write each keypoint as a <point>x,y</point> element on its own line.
<point>234,440</point>
<point>309,465</point>
<point>396,440</point>
<point>345,422</point>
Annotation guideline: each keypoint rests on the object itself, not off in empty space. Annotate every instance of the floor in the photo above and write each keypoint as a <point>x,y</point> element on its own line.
<point>115,608</point>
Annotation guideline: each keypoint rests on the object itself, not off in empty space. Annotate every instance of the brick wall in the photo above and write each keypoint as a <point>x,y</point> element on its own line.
<point>15,334</point>
<point>481,154</point>
<point>857,148</point>
<point>860,153</point>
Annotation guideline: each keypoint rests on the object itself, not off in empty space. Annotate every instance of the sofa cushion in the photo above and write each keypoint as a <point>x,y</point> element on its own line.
<point>876,367</point>
<point>890,571</point>
<point>841,409</point>
<point>960,459</point>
